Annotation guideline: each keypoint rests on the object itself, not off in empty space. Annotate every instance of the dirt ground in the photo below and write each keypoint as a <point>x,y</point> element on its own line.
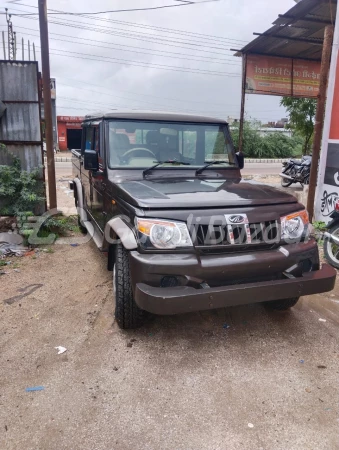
<point>235,378</point>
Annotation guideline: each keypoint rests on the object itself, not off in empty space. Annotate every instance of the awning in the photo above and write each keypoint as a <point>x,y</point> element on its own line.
<point>298,33</point>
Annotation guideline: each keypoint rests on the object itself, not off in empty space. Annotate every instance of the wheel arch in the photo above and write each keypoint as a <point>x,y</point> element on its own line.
<point>118,229</point>
<point>79,197</point>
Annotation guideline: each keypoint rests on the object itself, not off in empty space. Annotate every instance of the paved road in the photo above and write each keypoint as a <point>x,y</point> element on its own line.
<point>65,168</point>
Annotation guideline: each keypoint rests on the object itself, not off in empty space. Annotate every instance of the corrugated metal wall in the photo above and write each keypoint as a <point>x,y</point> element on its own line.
<point>21,122</point>
<point>19,92</point>
<point>20,128</point>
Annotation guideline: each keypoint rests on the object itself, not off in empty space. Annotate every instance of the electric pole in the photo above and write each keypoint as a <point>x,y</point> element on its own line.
<point>46,82</point>
<point>11,37</point>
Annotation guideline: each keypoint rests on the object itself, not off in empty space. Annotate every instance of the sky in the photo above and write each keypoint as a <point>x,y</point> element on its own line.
<point>172,59</point>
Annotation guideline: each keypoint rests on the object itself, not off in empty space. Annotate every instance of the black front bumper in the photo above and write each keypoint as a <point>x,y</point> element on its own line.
<point>185,299</point>
<point>222,272</point>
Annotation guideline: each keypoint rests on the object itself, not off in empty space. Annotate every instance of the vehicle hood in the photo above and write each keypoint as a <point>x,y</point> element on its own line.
<point>199,193</point>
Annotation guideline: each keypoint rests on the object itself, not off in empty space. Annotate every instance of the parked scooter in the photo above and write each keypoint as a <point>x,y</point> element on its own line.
<point>331,238</point>
<point>296,171</point>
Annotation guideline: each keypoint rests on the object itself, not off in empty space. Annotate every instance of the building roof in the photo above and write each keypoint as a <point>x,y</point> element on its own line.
<point>154,116</point>
<point>298,33</point>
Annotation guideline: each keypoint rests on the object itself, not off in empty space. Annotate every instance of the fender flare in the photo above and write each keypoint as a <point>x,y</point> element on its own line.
<point>80,198</point>
<point>123,231</point>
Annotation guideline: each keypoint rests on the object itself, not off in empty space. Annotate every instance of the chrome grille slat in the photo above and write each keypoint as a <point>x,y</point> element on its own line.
<point>244,234</point>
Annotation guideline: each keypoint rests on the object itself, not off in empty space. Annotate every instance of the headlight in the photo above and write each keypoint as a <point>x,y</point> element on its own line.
<point>294,226</point>
<point>163,234</point>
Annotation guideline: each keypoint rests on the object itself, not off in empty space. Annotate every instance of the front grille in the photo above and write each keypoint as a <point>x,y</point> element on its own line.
<point>245,234</point>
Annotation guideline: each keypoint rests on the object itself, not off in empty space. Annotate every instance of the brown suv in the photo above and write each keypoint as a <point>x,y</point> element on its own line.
<point>163,195</point>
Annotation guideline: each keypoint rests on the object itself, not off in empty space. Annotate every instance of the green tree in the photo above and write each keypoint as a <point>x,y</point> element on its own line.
<point>251,139</point>
<point>266,145</point>
<point>302,113</point>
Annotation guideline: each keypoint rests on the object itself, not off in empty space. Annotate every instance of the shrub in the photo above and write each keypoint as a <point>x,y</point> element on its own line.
<point>20,190</point>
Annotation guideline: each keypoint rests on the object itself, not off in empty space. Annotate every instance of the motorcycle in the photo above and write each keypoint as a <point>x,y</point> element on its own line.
<point>331,238</point>
<point>296,171</point>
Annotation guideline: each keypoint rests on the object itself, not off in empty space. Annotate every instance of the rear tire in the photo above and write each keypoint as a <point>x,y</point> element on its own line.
<point>331,250</point>
<point>127,313</point>
<point>282,305</point>
<point>285,182</point>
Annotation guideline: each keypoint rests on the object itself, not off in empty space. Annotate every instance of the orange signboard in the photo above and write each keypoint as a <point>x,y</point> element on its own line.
<point>269,75</point>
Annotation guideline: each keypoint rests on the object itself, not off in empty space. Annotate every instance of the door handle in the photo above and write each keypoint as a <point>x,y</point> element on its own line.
<point>103,185</point>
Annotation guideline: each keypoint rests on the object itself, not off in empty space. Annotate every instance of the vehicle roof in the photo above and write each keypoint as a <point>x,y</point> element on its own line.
<point>154,115</point>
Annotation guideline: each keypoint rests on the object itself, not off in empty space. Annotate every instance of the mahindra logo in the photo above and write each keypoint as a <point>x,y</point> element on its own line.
<point>237,219</point>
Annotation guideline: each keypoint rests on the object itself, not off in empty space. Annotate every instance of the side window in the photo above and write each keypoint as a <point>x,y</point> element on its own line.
<point>89,138</point>
<point>97,139</point>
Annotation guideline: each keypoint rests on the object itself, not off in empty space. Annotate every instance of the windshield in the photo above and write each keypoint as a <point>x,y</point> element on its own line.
<point>138,144</point>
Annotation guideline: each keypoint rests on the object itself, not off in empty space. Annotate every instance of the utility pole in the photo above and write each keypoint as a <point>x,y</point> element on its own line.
<point>319,118</point>
<point>11,36</point>
<point>46,82</point>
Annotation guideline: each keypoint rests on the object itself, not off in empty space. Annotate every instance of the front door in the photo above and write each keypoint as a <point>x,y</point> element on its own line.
<point>98,184</point>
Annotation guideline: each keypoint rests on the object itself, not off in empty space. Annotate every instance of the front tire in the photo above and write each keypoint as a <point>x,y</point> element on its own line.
<point>331,250</point>
<point>282,305</point>
<point>127,313</point>
<point>285,182</point>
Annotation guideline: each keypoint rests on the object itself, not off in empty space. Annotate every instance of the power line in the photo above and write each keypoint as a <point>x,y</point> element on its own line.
<point>131,35</point>
<point>138,93</point>
<point>184,56</point>
<point>226,111</point>
<point>160,108</point>
<point>152,39</point>
<point>141,64</point>
<point>144,64</point>
<point>127,10</point>
<point>173,31</point>
<point>162,29</point>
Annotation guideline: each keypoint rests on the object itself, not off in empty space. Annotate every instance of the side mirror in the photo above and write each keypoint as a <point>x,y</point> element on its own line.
<point>240,159</point>
<point>91,160</point>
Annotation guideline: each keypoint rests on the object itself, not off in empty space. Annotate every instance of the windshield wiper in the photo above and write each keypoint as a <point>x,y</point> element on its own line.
<point>211,163</point>
<point>159,163</point>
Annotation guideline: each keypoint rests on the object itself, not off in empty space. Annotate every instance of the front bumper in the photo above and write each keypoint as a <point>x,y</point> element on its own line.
<point>177,300</point>
<point>226,274</point>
